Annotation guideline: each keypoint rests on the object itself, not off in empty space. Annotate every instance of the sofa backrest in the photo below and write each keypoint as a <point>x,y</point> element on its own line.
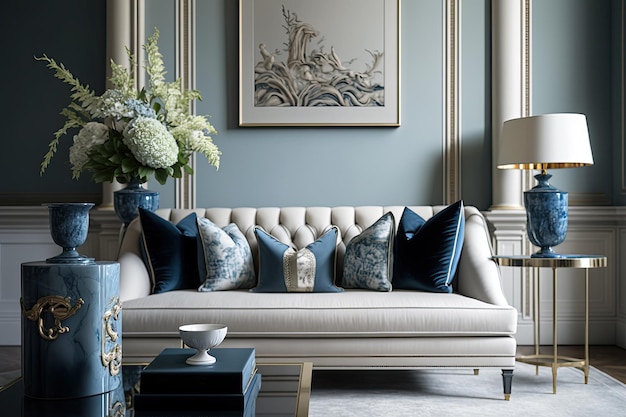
<point>300,226</point>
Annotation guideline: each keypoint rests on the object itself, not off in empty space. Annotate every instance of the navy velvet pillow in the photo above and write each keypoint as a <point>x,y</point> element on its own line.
<point>427,251</point>
<point>170,251</point>
<point>284,269</point>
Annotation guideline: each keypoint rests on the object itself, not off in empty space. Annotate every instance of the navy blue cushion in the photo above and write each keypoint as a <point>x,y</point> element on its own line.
<point>427,251</point>
<point>170,251</point>
<point>368,262</point>
<point>284,269</point>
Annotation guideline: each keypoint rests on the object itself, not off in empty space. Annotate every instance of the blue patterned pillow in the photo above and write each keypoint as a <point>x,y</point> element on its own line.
<point>427,251</point>
<point>225,261</point>
<point>169,251</point>
<point>284,269</point>
<point>368,262</point>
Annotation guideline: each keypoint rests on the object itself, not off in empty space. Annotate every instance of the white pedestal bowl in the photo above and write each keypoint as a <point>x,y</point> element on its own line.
<point>202,337</point>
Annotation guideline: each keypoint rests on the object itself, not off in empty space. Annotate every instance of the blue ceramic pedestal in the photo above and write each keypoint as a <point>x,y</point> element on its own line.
<point>71,329</point>
<point>546,215</point>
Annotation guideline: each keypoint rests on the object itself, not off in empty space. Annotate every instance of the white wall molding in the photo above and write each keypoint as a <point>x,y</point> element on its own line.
<point>510,34</point>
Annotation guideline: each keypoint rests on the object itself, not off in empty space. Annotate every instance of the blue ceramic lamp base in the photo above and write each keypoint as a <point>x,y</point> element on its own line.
<point>546,215</point>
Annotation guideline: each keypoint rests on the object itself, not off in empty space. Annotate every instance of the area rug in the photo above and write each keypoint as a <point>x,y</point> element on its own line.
<point>444,392</point>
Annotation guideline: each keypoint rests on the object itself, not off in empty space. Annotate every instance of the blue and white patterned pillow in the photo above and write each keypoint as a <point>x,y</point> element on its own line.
<point>285,269</point>
<point>368,262</point>
<point>226,263</point>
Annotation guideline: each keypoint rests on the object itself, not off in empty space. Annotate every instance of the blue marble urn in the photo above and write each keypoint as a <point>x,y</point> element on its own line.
<point>546,215</point>
<point>69,225</point>
<point>127,200</point>
<point>71,329</point>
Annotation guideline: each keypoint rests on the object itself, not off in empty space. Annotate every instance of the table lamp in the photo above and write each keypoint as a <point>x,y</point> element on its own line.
<point>543,142</point>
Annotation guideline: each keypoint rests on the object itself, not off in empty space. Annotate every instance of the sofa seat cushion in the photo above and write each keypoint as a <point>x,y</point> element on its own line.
<point>352,313</point>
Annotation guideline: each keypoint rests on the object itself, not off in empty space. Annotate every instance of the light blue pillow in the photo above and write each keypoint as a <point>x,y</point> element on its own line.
<point>427,251</point>
<point>368,262</point>
<point>285,269</point>
<point>226,259</point>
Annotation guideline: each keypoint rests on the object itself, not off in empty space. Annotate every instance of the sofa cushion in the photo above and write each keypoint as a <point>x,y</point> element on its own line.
<point>224,258</point>
<point>368,261</point>
<point>351,313</point>
<point>170,251</point>
<point>427,251</point>
<point>285,269</point>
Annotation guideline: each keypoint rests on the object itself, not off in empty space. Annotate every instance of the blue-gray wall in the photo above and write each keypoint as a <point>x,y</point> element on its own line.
<point>571,72</point>
<point>575,68</point>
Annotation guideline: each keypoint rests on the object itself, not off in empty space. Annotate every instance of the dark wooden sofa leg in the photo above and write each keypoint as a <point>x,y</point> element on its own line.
<point>507,379</point>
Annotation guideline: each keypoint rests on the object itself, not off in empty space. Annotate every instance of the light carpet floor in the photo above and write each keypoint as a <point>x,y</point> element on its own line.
<point>461,393</point>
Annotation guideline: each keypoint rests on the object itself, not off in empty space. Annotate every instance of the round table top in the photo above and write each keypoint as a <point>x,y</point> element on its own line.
<point>563,261</point>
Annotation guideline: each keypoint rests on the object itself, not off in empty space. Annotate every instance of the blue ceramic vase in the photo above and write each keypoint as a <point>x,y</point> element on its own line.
<point>69,225</point>
<point>546,215</point>
<point>127,200</point>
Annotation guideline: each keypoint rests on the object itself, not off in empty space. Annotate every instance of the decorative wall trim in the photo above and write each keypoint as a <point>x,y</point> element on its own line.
<point>528,179</point>
<point>510,54</point>
<point>138,34</point>
<point>452,138</point>
<point>186,71</point>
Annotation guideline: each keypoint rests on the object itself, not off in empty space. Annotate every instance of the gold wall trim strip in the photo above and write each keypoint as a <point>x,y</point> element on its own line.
<point>528,179</point>
<point>185,70</point>
<point>452,138</point>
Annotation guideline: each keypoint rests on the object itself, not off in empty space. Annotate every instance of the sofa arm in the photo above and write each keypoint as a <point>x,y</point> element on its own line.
<point>134,278</point>
<point>478,274</point>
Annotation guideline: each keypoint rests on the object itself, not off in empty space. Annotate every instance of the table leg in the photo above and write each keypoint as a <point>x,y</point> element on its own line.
<point>586,365</point>
<point>536,324</point>
<point>555,353</point>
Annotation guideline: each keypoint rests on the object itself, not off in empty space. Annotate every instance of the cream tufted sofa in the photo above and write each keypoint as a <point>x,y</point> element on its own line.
<point>355,329</point>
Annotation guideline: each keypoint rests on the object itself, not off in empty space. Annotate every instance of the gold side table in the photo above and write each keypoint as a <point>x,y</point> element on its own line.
<point>565,261</point>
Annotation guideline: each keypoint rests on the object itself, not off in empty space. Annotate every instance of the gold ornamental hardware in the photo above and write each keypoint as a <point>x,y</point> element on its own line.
<point>113,358</point>
<point>114,312</point>
<point>55,305</point>
<point>117,410</point>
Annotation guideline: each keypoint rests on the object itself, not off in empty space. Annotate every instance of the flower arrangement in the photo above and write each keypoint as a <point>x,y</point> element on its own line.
<point>130,135</point>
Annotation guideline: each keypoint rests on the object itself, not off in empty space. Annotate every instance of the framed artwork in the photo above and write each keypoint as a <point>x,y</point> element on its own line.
<point>319,63</point>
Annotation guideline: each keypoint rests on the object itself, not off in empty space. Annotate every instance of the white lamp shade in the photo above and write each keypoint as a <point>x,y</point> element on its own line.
<point>559,140</point>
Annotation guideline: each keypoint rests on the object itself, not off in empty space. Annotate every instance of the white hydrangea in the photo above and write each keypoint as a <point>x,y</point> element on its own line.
<point>92,134</point>
<point>151,143</point>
